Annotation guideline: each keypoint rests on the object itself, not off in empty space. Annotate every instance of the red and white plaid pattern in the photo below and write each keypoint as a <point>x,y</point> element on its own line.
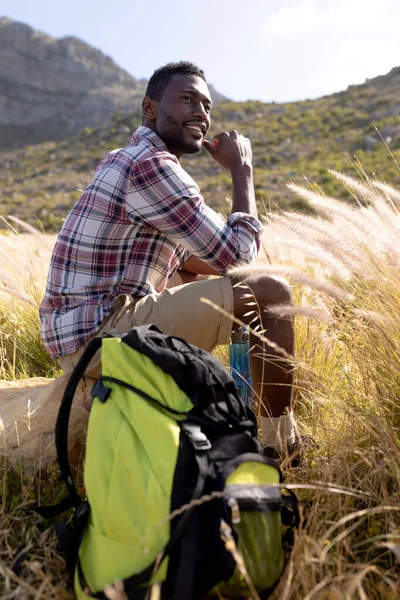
<point>136,223</point>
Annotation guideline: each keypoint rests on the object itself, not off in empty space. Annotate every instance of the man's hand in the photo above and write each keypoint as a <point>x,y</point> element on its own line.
<point>230,150</point>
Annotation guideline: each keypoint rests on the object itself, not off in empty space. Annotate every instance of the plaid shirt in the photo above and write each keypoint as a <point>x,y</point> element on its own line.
<point>136,223</point>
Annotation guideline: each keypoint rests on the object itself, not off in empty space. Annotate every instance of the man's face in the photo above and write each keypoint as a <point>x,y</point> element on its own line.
<point>183,114</point>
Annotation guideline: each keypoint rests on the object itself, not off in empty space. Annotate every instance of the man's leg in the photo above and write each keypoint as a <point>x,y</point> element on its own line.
<point>254,297</point>
<point>271,368</point>
<point>177,311</point>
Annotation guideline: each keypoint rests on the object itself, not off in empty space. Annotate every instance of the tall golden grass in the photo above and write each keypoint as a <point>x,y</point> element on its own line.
<point>344,264</point>
<point>24,261</point>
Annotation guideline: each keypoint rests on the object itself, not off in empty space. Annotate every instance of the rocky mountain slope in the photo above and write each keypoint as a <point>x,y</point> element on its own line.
<point>50,89</point>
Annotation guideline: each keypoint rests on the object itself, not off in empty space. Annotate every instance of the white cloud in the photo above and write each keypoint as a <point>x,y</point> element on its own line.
<point>343,17</point>
<point>350,63</point>
<point>316,47</point>
<point>298,19</point>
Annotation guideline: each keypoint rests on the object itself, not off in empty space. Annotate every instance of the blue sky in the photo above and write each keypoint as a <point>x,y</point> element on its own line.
<point>270,50</point>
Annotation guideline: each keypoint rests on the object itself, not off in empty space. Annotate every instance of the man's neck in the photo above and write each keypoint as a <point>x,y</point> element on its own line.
<point>151,125</point>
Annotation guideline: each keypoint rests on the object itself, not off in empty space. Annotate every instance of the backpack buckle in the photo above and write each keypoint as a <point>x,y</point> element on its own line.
<point>197,438</point>
<point>100,391</point>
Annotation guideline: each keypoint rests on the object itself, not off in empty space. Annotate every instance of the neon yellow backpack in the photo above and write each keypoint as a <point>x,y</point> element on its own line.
<point>179,493</point>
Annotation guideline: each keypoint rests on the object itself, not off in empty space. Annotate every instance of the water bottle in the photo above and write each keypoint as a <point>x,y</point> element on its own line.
<point>239,363</point>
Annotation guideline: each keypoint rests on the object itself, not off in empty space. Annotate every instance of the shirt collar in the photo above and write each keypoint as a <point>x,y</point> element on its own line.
<point>144,132</point>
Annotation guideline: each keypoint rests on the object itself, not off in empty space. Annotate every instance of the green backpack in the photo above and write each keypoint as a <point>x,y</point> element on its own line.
<point>179,494</point>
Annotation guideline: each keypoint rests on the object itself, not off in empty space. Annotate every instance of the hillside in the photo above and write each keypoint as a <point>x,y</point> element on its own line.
<point>290,142</point>
<point>51,88</point>
<point>72,94</point>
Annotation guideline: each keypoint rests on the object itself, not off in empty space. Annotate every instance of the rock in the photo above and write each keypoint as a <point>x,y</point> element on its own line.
<point>28,413</point>
<point>370,142</point>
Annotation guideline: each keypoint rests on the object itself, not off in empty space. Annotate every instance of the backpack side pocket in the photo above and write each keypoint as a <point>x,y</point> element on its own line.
<point>254,499</point>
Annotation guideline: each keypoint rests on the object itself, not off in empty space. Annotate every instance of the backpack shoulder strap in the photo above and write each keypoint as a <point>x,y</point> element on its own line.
<point>64,412</point>
<point>61,436</point>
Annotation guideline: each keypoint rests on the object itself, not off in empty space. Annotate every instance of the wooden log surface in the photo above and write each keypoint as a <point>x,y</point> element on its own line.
<point>28,413</point>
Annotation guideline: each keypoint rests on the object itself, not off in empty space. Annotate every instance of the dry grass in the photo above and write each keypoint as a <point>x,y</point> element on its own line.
<point>347,391</point>
<point>24,261</point>
<point>344,265</point>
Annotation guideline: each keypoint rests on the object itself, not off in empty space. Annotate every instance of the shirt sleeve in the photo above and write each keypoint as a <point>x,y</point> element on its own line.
<point>185,257</point>
<point>165,197</point>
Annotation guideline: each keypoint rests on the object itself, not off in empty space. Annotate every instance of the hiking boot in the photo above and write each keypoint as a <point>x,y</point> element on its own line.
<point>293,454</point>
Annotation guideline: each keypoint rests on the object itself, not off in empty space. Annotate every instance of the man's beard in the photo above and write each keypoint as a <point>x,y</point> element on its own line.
<point>172,135</point>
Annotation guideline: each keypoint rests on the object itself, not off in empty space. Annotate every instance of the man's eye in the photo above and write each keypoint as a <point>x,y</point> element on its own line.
<point>187,98</point>
<point>207,108</point>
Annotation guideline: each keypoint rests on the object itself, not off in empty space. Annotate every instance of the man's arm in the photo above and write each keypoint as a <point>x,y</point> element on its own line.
<point>232,151</point>
<point>198,266</point>
<point>170,202</point>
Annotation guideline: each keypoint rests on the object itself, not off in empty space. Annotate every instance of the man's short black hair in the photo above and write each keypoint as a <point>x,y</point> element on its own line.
<point>162,77</point>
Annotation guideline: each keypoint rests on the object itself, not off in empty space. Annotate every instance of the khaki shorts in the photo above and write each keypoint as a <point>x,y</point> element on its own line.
<point>177,311</point>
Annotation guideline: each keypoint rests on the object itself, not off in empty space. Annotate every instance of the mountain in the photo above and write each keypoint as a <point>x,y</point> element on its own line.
<point>356,131</point>
<point>50,89</point>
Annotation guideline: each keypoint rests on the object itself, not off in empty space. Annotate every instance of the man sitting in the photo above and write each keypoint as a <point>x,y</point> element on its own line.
<point>138,245</point>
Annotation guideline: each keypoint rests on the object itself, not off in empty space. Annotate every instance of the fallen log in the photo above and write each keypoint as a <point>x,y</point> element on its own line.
<point>28,413</point>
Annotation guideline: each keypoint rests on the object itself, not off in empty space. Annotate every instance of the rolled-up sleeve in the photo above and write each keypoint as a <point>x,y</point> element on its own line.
<point>166,198</point>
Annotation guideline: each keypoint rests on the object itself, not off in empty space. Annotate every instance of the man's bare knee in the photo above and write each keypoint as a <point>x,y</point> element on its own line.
<point>267,290</point>
<point>271,289</point>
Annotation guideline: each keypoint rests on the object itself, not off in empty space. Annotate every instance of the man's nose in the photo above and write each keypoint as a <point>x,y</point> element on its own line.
<point>201,111</point>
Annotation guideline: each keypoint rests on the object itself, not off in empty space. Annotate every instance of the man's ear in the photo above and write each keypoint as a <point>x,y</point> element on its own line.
<point>149,108</point>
